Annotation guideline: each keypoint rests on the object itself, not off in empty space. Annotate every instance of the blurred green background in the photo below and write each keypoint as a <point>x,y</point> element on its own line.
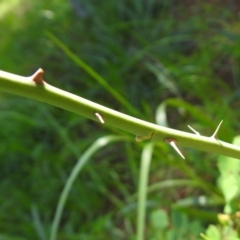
<point>175,62</point>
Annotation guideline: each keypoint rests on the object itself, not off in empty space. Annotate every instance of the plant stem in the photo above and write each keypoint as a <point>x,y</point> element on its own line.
<point>33,87</point>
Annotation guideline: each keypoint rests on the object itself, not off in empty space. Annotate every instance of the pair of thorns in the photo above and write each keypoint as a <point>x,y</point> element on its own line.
<point>173,142</point>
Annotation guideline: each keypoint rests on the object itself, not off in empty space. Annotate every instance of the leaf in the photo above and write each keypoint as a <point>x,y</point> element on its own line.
<point>213,233</point>
<point>229,184</point>
<point>159,219</point>
<point>229,179</point>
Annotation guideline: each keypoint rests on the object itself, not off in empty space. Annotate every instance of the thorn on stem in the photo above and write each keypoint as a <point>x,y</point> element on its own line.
<point>196,132</point>
<point>99,117</point>
<point>37,77</point>
<point>216,131</point>
<point>173,143</point>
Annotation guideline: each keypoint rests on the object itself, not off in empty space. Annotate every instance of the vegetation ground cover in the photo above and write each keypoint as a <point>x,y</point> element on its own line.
<point>175,65</point>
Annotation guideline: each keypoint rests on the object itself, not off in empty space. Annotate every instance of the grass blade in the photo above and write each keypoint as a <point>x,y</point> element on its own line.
<point>92,73</point>
<point>142,190</point>
<point>99,143</point>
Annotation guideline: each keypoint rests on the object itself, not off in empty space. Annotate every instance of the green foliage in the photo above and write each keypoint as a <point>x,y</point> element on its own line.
<point>214,233</point>
<point>176,64</point>
<point>175,226</point>
<point>229,179</point>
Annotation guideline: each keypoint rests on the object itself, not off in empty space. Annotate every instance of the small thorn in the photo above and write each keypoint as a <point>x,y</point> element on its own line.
<point>173,143</point>
<point>216,131</point>
<point>37,77</point>
<point>99,117</point>
<point>196,132</point>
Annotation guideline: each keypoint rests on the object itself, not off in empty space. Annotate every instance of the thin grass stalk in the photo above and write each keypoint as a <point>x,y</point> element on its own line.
<point>142,189</point>
<point>76,59</point>
<point>101,142</point>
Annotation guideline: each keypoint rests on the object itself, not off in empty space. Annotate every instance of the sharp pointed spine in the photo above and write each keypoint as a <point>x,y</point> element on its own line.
<point>37,77</point>
<point>216,131</point>
<point>173,143</point>
<point>196,132</point>
<point>99,117</point>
